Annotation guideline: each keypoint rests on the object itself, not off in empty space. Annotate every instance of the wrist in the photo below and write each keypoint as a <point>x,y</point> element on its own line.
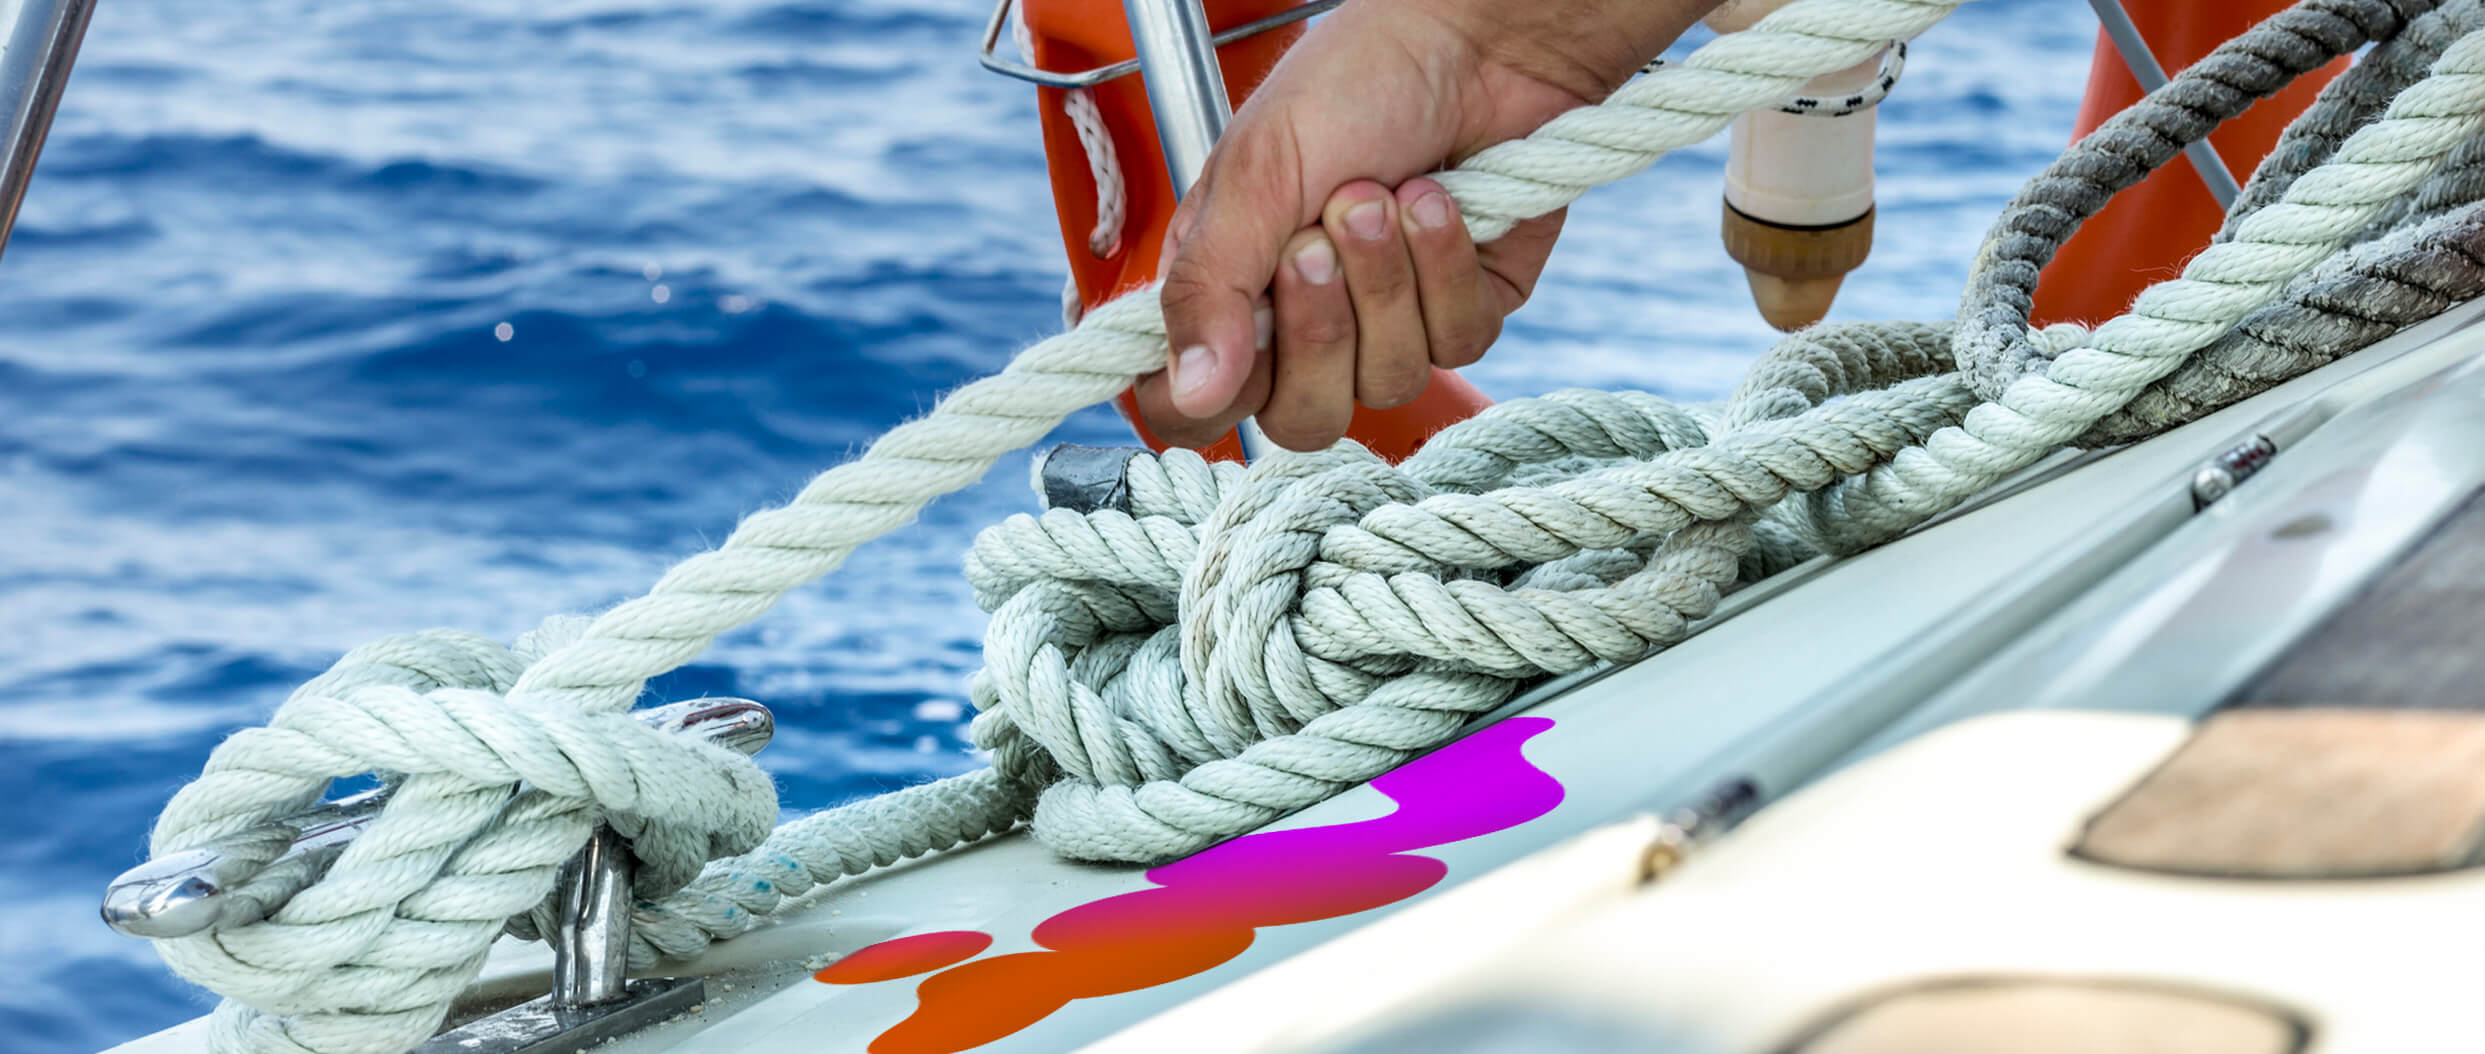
<point>1585,47</point>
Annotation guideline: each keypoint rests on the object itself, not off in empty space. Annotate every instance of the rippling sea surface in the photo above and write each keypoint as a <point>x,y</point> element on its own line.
<point>328,320</point>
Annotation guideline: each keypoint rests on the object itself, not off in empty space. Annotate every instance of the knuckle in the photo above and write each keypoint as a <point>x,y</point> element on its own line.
<point>1186,283</point>
<point>1514,293</point>
<point>1322,331</point>
<point>1187,434</point>
<point>1392,388</point>
<point>1186,293</point>
<point>1389,399</point>
<point>1174,428</point>
<point>1381,279</point>
<point>1486,335</point>
<point>1182,225</point>
<point>1259,155</point>
<point>1201,434</point>
<point>1465,339</point>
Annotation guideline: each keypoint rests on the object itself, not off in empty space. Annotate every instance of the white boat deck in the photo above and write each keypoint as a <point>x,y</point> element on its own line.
<point>1776,689</point>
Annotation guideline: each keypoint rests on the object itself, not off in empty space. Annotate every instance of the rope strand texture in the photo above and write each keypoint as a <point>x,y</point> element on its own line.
<point>1231,646</point>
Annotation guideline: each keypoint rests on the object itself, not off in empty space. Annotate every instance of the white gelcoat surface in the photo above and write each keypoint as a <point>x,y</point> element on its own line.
<point>1945,857</point>
<point>1906,617</point>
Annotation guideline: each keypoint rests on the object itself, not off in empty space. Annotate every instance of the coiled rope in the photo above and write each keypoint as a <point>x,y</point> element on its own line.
<point>1231,645</point>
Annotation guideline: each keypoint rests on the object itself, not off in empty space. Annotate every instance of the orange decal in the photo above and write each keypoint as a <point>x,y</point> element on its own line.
<point>906,957</point>
<point>1206,909</point>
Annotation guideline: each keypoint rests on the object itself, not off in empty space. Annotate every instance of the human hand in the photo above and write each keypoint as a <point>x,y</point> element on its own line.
<point>1312,267</point>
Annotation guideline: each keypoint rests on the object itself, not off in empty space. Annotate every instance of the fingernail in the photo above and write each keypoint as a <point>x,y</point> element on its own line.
<point>1192,368</point>
<point>1316,262</point>
<point>1367,220</point>
<point>1433,210</point>
<point>1263,327</point>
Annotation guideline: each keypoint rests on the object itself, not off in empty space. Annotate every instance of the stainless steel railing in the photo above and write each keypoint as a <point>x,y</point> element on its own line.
<point>34,68</point>
<point>1177,60</point>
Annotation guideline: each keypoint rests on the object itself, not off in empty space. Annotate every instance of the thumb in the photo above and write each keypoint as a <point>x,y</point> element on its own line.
<point>1224,241</point>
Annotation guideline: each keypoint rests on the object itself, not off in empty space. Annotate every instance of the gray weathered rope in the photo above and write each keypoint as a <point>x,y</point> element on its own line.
<point>1993,319</point>
<point>2344,305</point>
<point>2409,264</point>
<point>2353,100</point>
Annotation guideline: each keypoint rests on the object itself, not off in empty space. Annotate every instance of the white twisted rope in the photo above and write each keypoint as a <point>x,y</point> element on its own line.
<point>1229,647</point>
<point>361,964</point>
<point>2377,166</point>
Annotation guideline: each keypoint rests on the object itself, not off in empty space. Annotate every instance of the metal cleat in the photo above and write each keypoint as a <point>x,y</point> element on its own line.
<point>543,1026</point>
<point>195,891</point>
<point>191,892</point>
<point>199,890</point>
<point>592,998</point>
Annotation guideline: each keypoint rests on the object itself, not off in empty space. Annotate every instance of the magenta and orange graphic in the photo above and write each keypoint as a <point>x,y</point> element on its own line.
<point>1206,909</point>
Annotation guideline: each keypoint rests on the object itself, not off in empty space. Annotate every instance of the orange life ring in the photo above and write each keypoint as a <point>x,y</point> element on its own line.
<point>1083,34</point>
<point>2146,233</point>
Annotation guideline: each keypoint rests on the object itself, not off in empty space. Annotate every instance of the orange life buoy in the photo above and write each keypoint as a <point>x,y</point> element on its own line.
<point>2147,232</point>
<point>1083,34</point>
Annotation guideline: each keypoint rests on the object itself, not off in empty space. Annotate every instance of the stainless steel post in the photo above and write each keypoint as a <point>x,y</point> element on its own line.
<point>1186,90</point>
<point>33,70</point>
<point>593,936</point>
<point>2145,69</point>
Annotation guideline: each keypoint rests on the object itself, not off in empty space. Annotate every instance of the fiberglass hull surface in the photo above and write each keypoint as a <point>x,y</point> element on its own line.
<point>1861,641</point>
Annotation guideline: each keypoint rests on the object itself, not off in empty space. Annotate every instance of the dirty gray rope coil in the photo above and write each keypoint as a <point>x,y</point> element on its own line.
<point>2414,262</point>
<point>1336,615</point>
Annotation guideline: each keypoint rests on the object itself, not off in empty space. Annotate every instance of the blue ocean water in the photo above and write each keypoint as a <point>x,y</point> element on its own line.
<point>326,320</point>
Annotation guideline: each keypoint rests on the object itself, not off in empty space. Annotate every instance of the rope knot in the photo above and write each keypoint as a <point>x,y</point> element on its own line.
<point>488,795</point>
<point>1258,557</point>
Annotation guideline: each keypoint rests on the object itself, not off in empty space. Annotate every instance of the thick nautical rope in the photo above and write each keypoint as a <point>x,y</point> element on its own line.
<point>1122,705</point>
<point>366,963</point>
<point>2412,263</point>
<point>2143,137</point>
<point>1299,666</point>
<point>1335,615</point>
<point>2030,412</point>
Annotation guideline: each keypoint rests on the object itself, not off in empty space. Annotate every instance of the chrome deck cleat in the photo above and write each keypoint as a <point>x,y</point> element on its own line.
<point>192,892</point>
<point>543,1026</point>
<point>592,998</point>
